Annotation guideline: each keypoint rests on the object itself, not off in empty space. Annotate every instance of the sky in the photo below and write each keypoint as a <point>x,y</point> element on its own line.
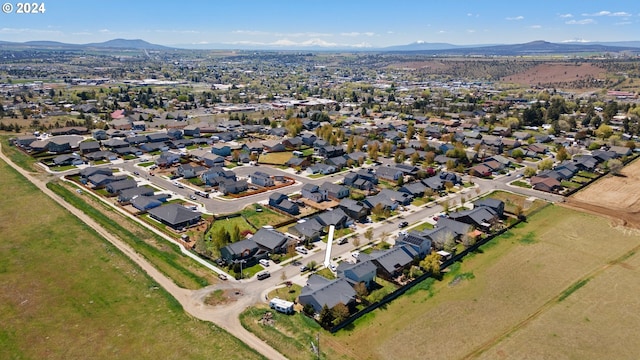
<point>328,23</point>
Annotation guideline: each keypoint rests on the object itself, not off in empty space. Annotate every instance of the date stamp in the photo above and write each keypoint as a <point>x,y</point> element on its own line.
<point>23,8</point>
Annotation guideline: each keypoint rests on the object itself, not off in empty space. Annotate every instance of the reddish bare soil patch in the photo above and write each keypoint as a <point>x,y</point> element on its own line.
<point>616,197</point>
<point>556,73</point>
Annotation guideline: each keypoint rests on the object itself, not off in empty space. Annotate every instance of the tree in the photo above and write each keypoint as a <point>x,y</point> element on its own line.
<point>604,131</point>
<point>368,234</point>
<point>614,166</point>
<point>312,265</point>
<point>326,317</point>
<point>529,172</point>
<point>517,154</point>
<point>431,264</point>
<point>361,290</point>
<point>356,241</point>
<point>545,164</point>
<point>340,313</point>
<point>562,154</point>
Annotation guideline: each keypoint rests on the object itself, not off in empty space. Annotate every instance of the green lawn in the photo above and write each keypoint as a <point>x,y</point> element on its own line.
<point>264,217</point>
<point>422,227</point>
<point>69,294</point>
<point>229,224</point>
<point>146,164</point>
<point>521,183</point>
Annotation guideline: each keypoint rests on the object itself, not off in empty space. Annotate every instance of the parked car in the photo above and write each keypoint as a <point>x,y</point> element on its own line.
<point>192,197</point>
<point>304,268</point>
<point>264,262</point>
<point>177,184</point>
<point>222,276</point>
<point>263,275</point>
<point>302,250</point>
<point>403,224</point>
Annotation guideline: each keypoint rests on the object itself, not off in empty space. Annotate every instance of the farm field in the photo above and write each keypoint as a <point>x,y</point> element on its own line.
<point>517,278</point>
<point>614,196</point>
<point>68,294</point>
<point>598,321</point>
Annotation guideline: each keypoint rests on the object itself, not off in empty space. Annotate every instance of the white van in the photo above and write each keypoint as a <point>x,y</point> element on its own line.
<point>264,262</point>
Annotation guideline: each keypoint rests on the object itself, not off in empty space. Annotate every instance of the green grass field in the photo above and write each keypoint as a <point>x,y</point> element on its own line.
<point>69,294</point>
<point>277,158</point>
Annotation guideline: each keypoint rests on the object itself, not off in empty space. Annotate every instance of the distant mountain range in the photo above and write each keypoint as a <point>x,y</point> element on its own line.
<point>421,47</point>
<point>136,44</point>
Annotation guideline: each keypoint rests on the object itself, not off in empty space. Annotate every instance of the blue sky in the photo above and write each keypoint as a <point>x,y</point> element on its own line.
<point>327,23</point>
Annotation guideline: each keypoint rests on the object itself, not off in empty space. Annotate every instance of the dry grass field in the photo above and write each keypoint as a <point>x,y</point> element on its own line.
<point>68,294</point>
<point>556,72</point>
<point>614,196</point>
<point>518,278</point>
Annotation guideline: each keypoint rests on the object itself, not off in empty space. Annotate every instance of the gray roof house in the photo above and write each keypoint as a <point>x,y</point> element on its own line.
<point>128,194</point>
<point>271,240</point>
<point>175,215</point>
<point>481,217</point>
<point>229,186</point>
<point>336,217</point>
<point>115,187</point>
<point>335,191</point>
<point>416,241</point>
<point>392,262</point>
<point>320,292</point>
<point>364,272</point>
<point>281,201</point>
<point>239,250</point>
<point>354,209</point>
<point>314,193</point>
<point>310,229</point>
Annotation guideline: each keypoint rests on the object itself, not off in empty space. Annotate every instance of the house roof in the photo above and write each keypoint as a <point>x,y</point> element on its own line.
<point>308,228</point>
<point>238,247</point>
<point>269,238</point>
<point>457,227</point>
<point>174,214</point>
<point>392,259</point>
<point>355,271</point>
<point>332,217</point>
<point>327,292</point>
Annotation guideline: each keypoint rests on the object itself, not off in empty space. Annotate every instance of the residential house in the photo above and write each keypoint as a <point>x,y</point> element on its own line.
<point>281,201</point>
<point>69,159</point>
<point>314,193</point>
<point>293,143</point>
<point>320,292</point>
<point>336,217</point>
<point>360,272</point>
<point>330,151</point>
<point>157,137</point>
<point>215,175</point>
<point>145,203</point>
<point>243,250</point>
<point>125,196</point>
<point>261,179</point>
<point>323,169</point>
<point>89,147</point>
<point>481,217</point>
<point>221,149</point>
<point>494,204</point>
<point>273,146</point>
<point>271,240</point>
<point>415,189</point>
<point>547,184</point>
<point>175,216</point>
<point>391,263</point>
<point>389,173</point>
<point>307,229</point>
<point>420,244</point>
<point>189,171</point>
<point>115,187</point>
<point>335,191</point>
<point>229,186</point>
<point>298,162</point>
<point>338,161</point>
<point>354,209</point>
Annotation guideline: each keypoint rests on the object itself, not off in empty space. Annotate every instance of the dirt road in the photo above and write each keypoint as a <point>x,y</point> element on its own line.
<point>192,301</point>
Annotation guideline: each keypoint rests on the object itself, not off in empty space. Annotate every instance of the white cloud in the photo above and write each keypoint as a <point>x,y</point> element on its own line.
<point>580,22</point>
<point>355,33</point>
<point>471,31</point>
<point>623,23</point>
<point>609,13</point>
<point>575,41</point>
<point>535,27</point>
<point>621,13</point>
<point>515,18</point>
<point>441,32</point>
<point>566,16</point>
<point>82,33</point>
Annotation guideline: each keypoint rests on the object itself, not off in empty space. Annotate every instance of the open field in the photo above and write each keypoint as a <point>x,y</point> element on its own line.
<point>598,321</point>
<point>512,201</point>
<point>69,294</point>
<point>614,196</point>
<point>517,278</point>
<point>556,72</point>
<point>277,158</point>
